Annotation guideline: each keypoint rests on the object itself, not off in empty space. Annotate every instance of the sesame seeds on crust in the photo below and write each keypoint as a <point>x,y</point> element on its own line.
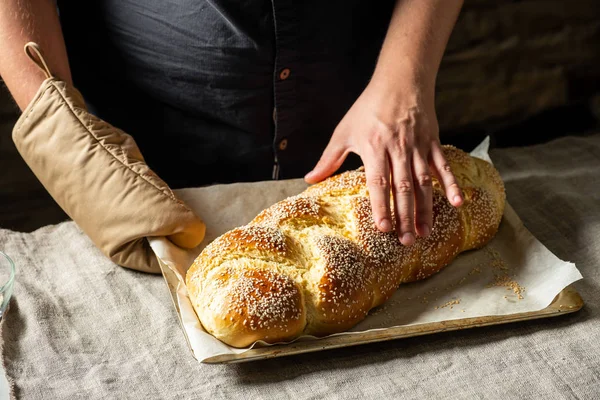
<point>297,207</point>
<point>322,247</point>
<point>344,289</point>
<point>248,237</point>
<point>245,302</point>
<point>346,183</point>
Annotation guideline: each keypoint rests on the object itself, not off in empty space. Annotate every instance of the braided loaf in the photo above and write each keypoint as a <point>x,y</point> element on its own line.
<point>316,264</point>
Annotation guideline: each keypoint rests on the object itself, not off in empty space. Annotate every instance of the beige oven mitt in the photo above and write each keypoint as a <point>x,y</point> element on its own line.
<point>97,174</point>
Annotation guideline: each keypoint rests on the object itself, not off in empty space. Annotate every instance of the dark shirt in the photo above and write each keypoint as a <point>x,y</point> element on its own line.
<point>224,90</point>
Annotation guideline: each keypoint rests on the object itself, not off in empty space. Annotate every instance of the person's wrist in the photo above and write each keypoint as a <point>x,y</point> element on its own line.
<point>403,78</point>
<point>393,95</point>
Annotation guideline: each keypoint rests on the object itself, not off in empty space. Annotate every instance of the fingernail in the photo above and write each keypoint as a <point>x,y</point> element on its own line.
<point>309,175</point>
<point>385,225</point>
<point>408,239</point>
<point>424,228</point>
<point>457,199</point>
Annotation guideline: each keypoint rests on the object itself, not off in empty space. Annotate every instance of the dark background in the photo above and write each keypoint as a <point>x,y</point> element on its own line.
<point>523,72</point>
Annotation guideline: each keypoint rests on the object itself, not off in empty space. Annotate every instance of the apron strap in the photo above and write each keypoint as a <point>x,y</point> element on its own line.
<point>34,52</point>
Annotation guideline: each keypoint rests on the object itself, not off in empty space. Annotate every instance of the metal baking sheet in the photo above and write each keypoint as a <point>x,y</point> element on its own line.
<point>567,301</point>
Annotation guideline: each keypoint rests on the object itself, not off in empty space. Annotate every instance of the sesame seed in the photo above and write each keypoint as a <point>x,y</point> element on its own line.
<point>321,250</point>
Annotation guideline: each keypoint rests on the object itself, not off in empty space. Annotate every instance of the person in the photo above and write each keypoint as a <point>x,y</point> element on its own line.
<point>256,90</point>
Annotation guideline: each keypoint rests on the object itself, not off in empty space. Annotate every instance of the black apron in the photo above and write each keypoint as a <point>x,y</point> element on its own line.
<point>224,91</point>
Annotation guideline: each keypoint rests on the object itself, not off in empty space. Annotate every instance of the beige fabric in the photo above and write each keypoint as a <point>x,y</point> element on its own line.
<point>79,328</point>
<point>97,174</point>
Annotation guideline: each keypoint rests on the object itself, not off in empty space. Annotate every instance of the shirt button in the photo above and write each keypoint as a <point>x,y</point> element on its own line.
<point>283,144</point>
<point>284,74</point>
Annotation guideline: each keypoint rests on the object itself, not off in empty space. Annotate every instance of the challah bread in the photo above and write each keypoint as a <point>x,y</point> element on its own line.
<point>316,264</point>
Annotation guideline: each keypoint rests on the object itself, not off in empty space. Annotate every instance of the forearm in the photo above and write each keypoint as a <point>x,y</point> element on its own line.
<point>415,43</point>
<point>22,21</point>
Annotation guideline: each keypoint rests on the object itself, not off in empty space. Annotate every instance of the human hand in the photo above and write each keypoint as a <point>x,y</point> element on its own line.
<point>397,138</point>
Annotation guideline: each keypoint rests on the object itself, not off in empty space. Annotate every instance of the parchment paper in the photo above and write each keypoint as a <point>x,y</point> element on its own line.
<point>513,273</point>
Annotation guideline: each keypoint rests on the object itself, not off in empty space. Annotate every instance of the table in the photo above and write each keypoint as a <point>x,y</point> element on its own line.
<point>81,327</point>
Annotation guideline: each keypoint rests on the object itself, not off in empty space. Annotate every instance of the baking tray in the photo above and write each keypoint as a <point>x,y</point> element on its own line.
<point>567,301</point>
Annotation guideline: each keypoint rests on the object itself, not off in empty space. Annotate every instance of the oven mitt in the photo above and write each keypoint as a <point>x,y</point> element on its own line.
<point>97,174</point>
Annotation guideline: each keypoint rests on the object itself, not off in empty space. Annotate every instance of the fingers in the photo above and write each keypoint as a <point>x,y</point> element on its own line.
<point>378,183</point>
<point>423,195</point>
<point>444,173</point>
<point>402,188</point>
<point>332,159</point>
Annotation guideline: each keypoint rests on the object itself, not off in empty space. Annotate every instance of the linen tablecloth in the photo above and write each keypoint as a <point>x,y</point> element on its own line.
<point>81,327</point>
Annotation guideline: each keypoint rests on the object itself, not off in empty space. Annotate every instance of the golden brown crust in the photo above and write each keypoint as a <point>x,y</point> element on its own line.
<point>343,297</point>
<point>297,207</point>
<point>316,264</point>
<point>348,183</point>
<point>245,303</point>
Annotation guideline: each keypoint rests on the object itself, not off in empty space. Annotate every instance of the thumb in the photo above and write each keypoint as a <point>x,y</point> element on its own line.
<point>332,159</point>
